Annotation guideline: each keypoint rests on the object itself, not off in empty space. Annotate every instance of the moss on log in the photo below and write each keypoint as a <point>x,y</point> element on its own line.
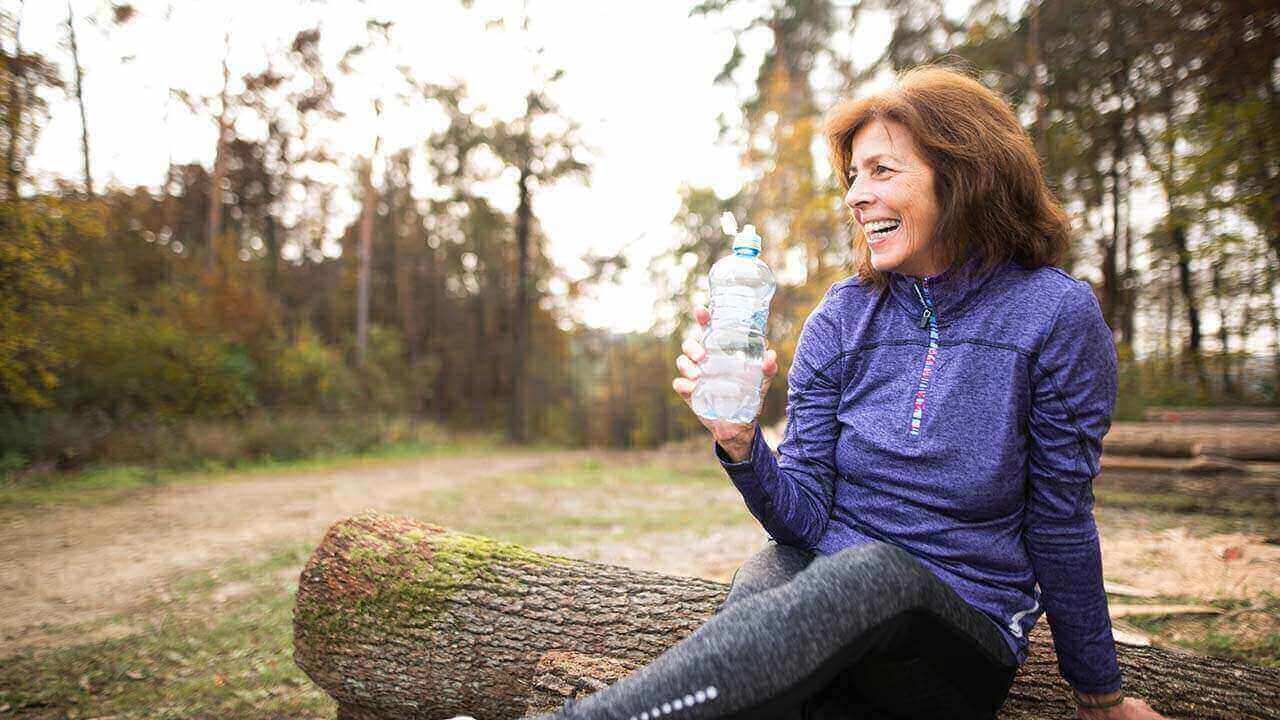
<point>400,619</point>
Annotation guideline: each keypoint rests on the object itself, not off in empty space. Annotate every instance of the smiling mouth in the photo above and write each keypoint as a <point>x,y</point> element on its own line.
<point>877,231</point>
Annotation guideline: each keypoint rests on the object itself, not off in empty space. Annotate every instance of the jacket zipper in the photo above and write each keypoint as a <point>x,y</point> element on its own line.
<point>928,306</point>
<point>927,320</point>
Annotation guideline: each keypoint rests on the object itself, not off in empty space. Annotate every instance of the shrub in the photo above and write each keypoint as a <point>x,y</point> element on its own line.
<point>309,374</point>
<point>129,363</point>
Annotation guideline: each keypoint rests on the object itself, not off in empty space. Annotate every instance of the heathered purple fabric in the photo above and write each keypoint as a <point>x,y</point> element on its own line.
<point>995,494</point>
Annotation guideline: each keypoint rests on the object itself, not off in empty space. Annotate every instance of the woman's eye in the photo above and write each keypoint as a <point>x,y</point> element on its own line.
<point>881,169</point>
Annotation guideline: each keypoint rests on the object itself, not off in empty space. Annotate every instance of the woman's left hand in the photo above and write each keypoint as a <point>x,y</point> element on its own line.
<point>1130,709</point>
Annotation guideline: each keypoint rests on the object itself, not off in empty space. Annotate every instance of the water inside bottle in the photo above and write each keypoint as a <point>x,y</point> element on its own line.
<point>729,384</point>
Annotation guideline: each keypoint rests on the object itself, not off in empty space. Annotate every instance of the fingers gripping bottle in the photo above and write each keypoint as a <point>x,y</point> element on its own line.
<point>742,287</point>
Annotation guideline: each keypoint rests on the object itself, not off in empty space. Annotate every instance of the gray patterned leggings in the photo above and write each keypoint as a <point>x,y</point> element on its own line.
<point>867,632</point>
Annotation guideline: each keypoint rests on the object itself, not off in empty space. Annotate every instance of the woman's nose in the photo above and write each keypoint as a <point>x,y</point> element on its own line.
<point>857,197</point>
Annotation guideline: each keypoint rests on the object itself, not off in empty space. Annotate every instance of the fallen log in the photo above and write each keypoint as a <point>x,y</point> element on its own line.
<point>401,619</point>
<point>1219,415</point>
<point>1117,611</point>
<point>1253,443</point>
<point>1205,484</point>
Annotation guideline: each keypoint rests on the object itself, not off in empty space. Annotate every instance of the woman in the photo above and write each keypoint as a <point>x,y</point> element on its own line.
<point>946,408</point>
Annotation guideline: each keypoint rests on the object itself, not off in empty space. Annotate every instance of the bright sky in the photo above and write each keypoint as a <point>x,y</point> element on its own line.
<point>638,78</point>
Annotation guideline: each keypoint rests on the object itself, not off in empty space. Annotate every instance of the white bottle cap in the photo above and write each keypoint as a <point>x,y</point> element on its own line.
<point>747,239</point>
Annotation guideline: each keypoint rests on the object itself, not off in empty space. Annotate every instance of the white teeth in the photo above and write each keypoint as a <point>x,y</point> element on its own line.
<point>878,225</point>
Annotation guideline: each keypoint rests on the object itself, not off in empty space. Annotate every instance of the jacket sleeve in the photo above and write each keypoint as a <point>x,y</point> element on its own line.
<point>792,496</point>
<point>1073,395</point>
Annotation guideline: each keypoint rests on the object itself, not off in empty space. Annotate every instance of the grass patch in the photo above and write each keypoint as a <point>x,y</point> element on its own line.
<point>1136,512</point>
<point>194,655</point>
<point>596,472</point>
<point>596,499</point>
<point>1252,637</point>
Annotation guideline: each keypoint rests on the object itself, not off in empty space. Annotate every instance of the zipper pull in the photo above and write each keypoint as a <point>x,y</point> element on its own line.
<point>924,316</point>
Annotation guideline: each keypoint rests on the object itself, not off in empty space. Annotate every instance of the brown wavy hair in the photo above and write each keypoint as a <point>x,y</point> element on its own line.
<point>992,196</point>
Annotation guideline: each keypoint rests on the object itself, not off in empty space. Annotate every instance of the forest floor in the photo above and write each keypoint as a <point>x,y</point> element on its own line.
<point>175,601</point>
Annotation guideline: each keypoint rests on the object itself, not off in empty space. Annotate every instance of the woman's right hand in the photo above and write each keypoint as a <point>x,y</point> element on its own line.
<point>735,438</point>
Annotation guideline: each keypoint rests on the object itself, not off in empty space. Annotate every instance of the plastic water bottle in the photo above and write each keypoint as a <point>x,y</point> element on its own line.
<point>742,286</point>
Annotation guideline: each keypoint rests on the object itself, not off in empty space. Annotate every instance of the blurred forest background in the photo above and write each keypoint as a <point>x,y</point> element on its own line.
<point>199,319</point>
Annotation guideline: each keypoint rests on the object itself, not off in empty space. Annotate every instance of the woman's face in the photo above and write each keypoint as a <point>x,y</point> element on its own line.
<point>891,195</point>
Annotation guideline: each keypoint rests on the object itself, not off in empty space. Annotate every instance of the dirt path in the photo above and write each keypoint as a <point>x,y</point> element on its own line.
<point>77,565</point>
<point>73,565</point>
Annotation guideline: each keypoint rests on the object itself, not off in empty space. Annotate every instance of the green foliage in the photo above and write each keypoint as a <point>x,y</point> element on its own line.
<point>39,440</point>
<point>128,362</point>
<point>391,381</point>
<point>59,437</point>
<point>34,271</point>
<point>308,373</point>
<point>1163,381</point>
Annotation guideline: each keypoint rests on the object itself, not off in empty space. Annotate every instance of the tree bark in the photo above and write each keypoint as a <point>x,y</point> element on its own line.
<point>368,210</point>
<point>1193,353</point>
<point>1112,277</point>
<point>17,92</point>
<point>1224,332</point>
<point>1039,128</point>
<point>406,262</point>
<point>400,619</point>
<point>213,224</point>
<point>520,314</point>
<point>1183,255</point>
<point>84,125</point>
<point>1275,327</point>
<point>271,239</point>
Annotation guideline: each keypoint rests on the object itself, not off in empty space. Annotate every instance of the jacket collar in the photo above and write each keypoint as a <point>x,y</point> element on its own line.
<point>948,292</point>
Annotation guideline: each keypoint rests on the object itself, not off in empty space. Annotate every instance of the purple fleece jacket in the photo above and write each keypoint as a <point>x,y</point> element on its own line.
<point>961,418</point>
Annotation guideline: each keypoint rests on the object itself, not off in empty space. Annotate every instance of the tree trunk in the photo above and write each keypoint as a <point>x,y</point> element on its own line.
<point>271,237</point>
<point>1179,236</point>
<point>84,125</point>
<point>214,219</point>
<point>1113,280</point>
<point>1110,284</point>
<point>520,313</point>
<point>1039,128</point>
<point>577,375</point>
<point>1129,328</point>
<point>406,259</point>
<point>1247,322</point>
<point>1224,333</point>
<point>480,392</point>
<point>17,92</point>
<point>399,619</point>
<point>369,209</point>
<point>1112,277</point>
<point>1275,327</point>
<point>426,274</point>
